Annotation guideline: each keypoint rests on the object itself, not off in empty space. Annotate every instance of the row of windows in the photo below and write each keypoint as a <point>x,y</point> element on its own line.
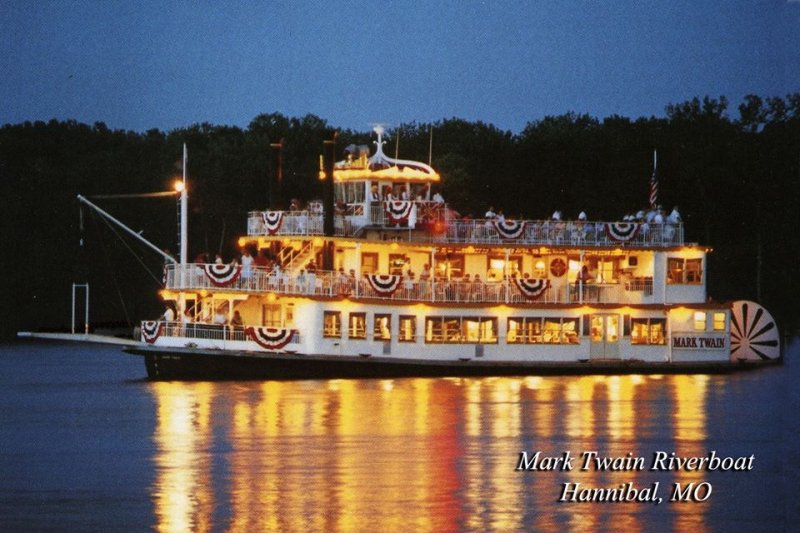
<point>520,330</point>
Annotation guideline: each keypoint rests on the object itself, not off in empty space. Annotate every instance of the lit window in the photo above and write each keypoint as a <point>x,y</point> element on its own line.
<point>357,326</point>
<point>458,330</point>
<point>382,329</point>
<point>332,324</point>
<point>537,330</point>
<point>408,328</point>
<point>719,321</point>
<point>648,330</point>
<point>684,271</point>
<point>699,321</point>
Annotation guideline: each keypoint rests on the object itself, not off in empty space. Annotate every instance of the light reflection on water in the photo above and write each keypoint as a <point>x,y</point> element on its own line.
<point>425,454</point>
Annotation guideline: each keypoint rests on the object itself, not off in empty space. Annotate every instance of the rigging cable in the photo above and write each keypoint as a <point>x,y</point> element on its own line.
<point>114,276</point>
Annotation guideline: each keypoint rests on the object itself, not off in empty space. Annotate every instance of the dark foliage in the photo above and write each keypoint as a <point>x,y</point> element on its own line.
<point>737,181</point>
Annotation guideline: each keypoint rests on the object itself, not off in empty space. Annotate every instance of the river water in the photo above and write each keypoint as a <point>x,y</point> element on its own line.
<point>86,443</point>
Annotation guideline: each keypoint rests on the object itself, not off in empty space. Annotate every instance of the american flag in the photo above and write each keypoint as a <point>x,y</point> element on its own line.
<point>654,185</point>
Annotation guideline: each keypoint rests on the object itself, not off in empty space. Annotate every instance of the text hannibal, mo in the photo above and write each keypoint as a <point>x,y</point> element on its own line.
<point>660,461</point>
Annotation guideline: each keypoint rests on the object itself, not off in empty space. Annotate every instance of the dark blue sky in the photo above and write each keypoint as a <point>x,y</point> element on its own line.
<point>167,64</point>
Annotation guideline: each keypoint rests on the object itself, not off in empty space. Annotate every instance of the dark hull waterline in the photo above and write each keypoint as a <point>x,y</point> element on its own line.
<point>200,364</point>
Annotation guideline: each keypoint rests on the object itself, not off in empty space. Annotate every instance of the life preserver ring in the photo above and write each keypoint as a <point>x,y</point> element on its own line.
<point>558,267</point>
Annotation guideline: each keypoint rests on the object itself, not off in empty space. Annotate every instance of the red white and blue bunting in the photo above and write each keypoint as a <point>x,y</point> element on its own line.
<point>272,221</point>
<point>532,288</point>
<point>509,229</point>
<point>398,210</point>
<point>151,330</point>
<point>221,274</point>
<point>384,284</point>
<point>270,338</point>
<point>622,231</point>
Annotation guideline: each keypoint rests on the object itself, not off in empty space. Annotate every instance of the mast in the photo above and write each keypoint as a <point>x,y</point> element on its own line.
<point>184,229</point>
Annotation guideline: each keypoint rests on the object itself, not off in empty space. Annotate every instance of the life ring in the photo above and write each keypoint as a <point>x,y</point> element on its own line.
<point>558,267</point>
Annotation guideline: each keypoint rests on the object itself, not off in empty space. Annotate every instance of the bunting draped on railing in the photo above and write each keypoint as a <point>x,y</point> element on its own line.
<point>622,231</point>
<point>384,284</point>
<point>509,229</point>
<point>222,274</point>
<point>270,338</point>
<point>398,210</point>
<point>272,221</point>
<point>151,329</point>
<point>531,288</point>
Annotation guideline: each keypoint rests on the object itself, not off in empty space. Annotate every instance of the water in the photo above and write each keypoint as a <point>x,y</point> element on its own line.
<point>87,444</point>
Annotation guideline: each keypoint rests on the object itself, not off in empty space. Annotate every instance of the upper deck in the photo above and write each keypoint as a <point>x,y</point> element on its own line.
<point>430,222</point>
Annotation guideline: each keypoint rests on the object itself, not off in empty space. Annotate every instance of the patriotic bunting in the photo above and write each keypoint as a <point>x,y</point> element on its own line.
<point>384,284</point>
<point>622,231</point>
<point>270,338</point>
<point>531,288</point>
<point>222,275</point>
<point>398,210</point>
<point>509,229</point>
<point>272,221</point>
<point>151,329</point>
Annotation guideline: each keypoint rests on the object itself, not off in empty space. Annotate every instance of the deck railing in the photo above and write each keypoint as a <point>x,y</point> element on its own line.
<point>207,331</point>
<point>443,229</point>
<point>337,284</point>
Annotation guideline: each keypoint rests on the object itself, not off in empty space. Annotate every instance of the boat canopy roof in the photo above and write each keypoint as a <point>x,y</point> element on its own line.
<point>379,166</point>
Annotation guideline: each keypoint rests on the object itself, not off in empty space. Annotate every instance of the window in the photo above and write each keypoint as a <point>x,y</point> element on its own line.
<point>332,324</point>
<point>694,273</point>
<point>396,263</point>
<point>684,271</point>
<point>496,266</point>
<point>382,327</point>
<point>357,326</point>
<point>457,330</point>
<point>648,330</point>
<point>369,263</point>
<point>536,330</point>
<point>408,328</point>
<point>699,321</point>
<point>449,265</point>
<point>719,321</point>
<point>272,315</point>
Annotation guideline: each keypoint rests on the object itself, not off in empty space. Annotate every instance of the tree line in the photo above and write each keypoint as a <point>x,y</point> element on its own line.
<point>735,175</point>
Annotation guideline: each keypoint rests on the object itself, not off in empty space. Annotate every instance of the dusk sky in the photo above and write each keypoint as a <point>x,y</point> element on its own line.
<point>169,64</point>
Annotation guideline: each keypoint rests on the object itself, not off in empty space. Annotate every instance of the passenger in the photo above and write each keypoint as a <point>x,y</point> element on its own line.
<point>220,318</point>
<point>237,321</point>
<point>675,216</point>
<point>374,195</point>
<point>247,265</point>
<point>169,314</point>
<point>582,216</point>
<point>490,214</point>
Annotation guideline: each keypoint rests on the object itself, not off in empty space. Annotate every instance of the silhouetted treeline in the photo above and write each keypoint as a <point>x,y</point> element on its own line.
<point>734,174</point>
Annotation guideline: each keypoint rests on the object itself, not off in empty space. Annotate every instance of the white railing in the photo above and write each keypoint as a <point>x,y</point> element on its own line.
<point>437,228</point>
<point>206,331</point>
<point>336,284</point>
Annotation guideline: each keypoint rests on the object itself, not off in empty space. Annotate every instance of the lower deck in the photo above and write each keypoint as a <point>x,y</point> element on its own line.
<point>499,334</point>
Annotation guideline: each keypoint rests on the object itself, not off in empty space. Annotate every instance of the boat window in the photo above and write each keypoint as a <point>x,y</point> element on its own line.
<point>272,315</point>
<point>648,330</point>
<point>699,321</point>
<point>408,328</point>
<point>719,321</point>
<point>369,262</point>
<point>332,324</point>
<point>357,326</point>
<point>449,265</point>
<point>382,327</point>
<point>684,271</point>
<point>496,266</point>
<point>460,330</point>
<point>549,330</point>
<point>397,262</point>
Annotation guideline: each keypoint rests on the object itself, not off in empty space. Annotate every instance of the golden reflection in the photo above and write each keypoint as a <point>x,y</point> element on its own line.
<point>419,454</point>
<point>689,393</point>
<point>182,497</point>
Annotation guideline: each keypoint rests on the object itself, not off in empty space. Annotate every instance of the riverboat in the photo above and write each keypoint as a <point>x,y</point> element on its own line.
<point>382,279</point>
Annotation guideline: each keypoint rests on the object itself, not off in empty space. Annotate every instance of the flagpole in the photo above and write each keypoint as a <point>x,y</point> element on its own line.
<point>184,229</point>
